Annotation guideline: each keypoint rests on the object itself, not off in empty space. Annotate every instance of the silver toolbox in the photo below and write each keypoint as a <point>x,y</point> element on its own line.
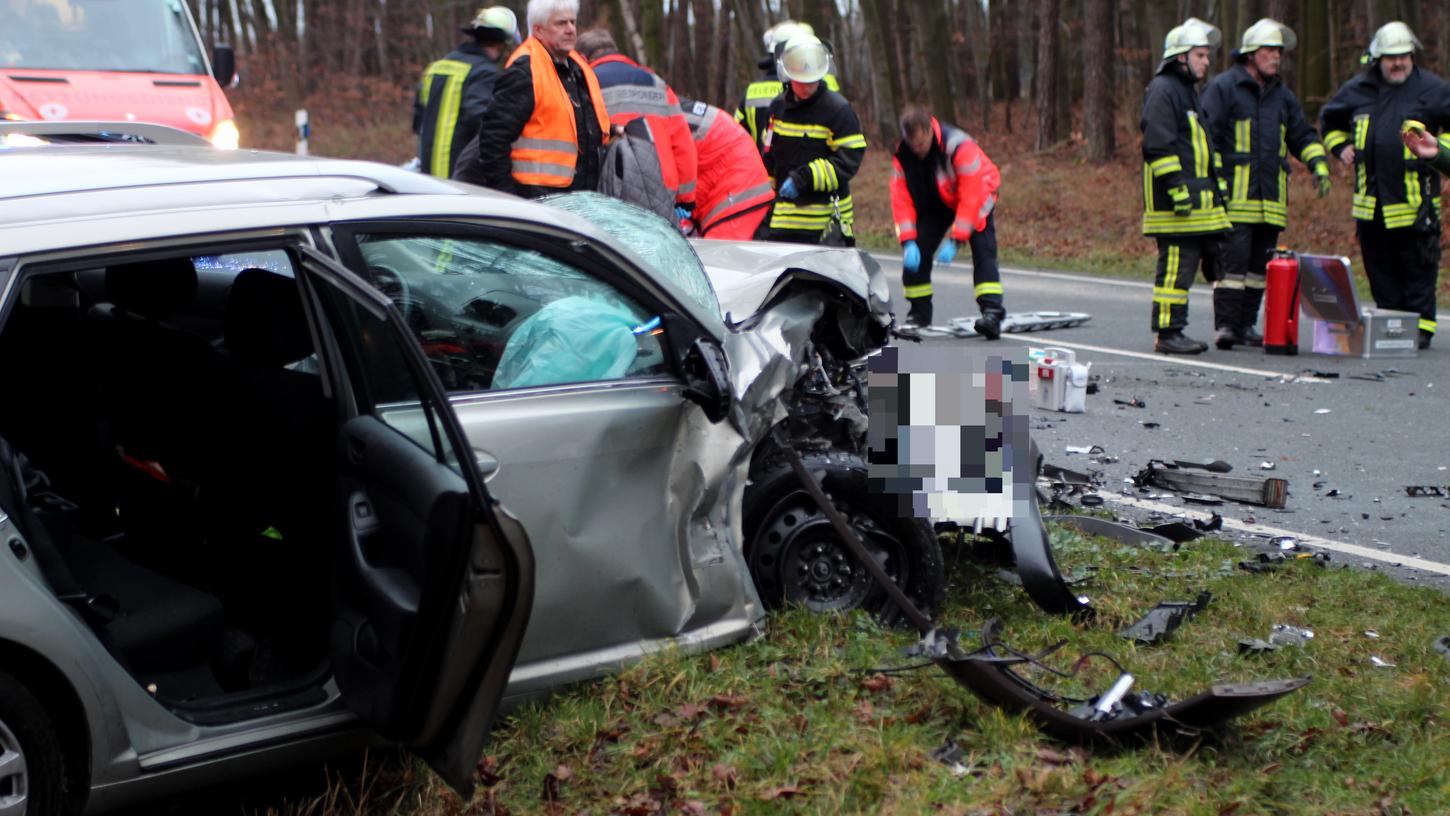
<point>1340,325</point>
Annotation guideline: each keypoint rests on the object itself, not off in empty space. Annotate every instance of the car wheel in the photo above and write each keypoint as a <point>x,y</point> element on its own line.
<point>796,556</point>
<point>32,770</point>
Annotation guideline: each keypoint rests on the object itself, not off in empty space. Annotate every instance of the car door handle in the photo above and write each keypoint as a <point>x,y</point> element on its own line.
<point>486,462</point>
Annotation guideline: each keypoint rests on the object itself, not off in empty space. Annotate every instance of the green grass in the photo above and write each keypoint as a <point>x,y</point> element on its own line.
<point>793,723</point>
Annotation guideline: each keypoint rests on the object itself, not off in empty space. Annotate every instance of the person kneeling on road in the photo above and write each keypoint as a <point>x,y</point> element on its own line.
<point>943,191</point>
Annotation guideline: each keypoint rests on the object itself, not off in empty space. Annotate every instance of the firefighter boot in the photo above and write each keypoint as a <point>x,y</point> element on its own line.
<point>919,316</point>
<point>1226,303</point>
<point>1175,342</point>
<point>989,325</point>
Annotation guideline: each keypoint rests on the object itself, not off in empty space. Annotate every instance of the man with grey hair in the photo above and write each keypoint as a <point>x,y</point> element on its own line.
<point>1396,194</point>
<point>545,131</point>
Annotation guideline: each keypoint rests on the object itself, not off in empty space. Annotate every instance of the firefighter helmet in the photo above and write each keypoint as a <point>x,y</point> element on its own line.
<point>781,33</point>
<point>804,59</point>
<point>1392,39</point>
<point>1267,33</point>
<point>1194,33</point>
<point>493,22</point>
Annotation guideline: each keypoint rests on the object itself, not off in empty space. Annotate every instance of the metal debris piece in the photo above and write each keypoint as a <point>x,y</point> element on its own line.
<point>1162,619</point>
<point>1213,465</point>
<point>1381,662</point>
<point>1202,498</point>
<point>1438,491</point>
<point>1182,532</point>
<point>1324,411</point>
<point>1131,403</point>
<point>1264,490</point>
<point>1091,500</point>
<point>1112,716</point>
<point>1255,646</point>
<point>1091,450</point>
<point>1285,542</point>
<point>1266,465</point>
<point>1284,635</point>
<point>1147,424</point>
<point>1370,633</point>
<point>1061,475</point>
<point>1122,533</point>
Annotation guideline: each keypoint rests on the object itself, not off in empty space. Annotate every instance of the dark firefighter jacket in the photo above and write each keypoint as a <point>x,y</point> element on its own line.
<point>1255,129</point>
<point>752,113</point>
<point>1178,155</point>
<point>488,159</point>
<point>452,97</point>
<point>1389,182</point>
<point>818,142</point>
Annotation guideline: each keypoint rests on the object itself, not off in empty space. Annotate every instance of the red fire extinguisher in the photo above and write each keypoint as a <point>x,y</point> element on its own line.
<point>1281,304</point>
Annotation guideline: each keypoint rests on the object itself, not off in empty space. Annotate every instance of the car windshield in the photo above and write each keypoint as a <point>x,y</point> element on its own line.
<point>150,36</point>
<point>654,240</point>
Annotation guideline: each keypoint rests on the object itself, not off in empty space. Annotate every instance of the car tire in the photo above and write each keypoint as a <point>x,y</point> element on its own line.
<point>796,556</point>
<point>36,784</point>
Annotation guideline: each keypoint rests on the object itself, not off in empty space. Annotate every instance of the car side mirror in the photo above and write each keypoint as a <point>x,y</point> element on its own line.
<point>224,65</point>
<point>707,378</point>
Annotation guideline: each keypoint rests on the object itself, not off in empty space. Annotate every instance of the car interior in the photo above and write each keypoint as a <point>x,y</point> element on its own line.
<point>172,460</point>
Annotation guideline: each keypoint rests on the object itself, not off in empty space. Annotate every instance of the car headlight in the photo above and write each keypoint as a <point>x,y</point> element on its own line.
<point>225,135</point>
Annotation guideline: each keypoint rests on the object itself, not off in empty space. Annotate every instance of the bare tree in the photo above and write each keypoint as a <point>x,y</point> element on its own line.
<point>1097,103</point>
<point>1044,89</point>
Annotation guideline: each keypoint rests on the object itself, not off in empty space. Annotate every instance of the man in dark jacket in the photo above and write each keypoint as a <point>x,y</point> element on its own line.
<point>813,147</point>
<point>1256,124</point>
<point>531,145</point>
<point>1396,200</point>
<point>456,90</point>
<point>1182,204</point>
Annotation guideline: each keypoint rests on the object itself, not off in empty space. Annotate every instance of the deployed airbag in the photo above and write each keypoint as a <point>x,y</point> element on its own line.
<point>575,339</point>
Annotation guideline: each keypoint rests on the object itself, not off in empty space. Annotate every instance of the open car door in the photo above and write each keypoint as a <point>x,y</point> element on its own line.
<point>434,581</point>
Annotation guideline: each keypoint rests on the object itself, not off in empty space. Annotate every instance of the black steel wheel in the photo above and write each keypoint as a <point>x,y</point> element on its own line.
<point>796,556</point>
<point>32,769</point>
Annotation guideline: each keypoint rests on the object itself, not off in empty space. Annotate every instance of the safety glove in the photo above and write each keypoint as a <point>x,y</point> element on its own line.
<point>1321,177</point>
<point>911,256</point>
<point>788,189</point>
<point>947,252</point>
<point>1182,203</point>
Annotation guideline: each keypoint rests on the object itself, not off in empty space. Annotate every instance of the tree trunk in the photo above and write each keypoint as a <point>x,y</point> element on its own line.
<point>935,37</point>
<point>1097,102</point>
<point>1045,87</point>
<point>884,55</point>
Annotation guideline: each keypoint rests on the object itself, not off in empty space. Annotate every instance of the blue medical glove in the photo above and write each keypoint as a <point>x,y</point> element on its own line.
<point>788,190</point>
<point>910,256</point>
<point>682,214</point>
<point>947,252</point>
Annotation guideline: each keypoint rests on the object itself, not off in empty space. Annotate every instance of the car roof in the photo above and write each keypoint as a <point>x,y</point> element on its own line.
<point>58,197</point>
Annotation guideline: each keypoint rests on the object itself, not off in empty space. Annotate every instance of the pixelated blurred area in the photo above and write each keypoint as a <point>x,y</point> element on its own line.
<point>949,432</point>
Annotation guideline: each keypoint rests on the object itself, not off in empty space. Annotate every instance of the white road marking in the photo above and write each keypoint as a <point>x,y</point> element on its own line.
<point>1042,339</point>
<point>1303,538</point>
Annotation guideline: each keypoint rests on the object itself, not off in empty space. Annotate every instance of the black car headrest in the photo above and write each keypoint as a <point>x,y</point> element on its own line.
<point>152,289</point>
<point>265,324</point>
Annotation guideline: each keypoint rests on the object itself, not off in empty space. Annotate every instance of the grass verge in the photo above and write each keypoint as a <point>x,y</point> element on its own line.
<point>793,723</point>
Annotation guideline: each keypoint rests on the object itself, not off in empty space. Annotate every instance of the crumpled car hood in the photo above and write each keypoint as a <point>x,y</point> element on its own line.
<point>748,274</point>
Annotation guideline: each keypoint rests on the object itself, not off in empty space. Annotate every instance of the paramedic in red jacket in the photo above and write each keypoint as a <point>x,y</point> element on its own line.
<point>633,92</point>
<point>943,190</point>
<point>734,191</point>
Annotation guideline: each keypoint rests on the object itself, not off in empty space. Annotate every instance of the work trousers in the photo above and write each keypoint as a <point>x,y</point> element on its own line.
<point>1179,258</point>
<point>1403,266</point>
<point>1245,257</point>
<point>931,228</point>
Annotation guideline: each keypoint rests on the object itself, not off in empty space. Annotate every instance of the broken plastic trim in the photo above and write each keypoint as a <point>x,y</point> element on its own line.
<point>1122,533</point>
<point>1162,619</point>
<point>988,673</point>
<point>1032,549</point>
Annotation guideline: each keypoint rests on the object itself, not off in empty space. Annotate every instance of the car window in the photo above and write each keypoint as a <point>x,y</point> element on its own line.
<point>493,316</point>
<point>657,242</point>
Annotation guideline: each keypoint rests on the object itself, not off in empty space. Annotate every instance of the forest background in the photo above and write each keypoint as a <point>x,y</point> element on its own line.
<point>1051,88</point>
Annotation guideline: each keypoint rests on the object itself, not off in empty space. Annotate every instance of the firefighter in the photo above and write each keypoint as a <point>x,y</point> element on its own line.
<point>547,126</point>
<point>633,92</point>
<point>813,146</point>
<point>1396,199</point>
<point>1182,204</point>
<point>734,191</point>
<point>1256,124</point>
<point>943,191</point>
<point>456,90</point>
<point>752,111</point>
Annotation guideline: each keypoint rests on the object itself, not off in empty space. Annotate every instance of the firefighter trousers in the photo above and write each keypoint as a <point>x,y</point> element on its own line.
<point>1179,258</point>
<point>986,277</point>
<point>1244,259</point>
<point>1403,266</point>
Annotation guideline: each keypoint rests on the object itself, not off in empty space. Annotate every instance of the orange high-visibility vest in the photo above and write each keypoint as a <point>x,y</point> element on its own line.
<point>547,151</point>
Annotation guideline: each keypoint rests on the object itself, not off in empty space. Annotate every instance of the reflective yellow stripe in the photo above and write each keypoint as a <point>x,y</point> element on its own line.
<point>783,128</point>
<point>1314,151</point>
<point>920,290</point>
<point>1165,165</point>
<point>1200,146</point>
<point>444,127</point>
<point>1229,283</point>
<point>990,288</point>
<point>1334,138</point>
<point>1199,221</point>
<point>1427,325</point>
<point>853,141</point>
<point>766,89</point>
<point>1363,208</point>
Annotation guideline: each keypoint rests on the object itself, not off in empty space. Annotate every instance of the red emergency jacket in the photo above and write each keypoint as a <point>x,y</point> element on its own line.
<point>632,92</point>
<point>732,176</point>
<point>966,181</point>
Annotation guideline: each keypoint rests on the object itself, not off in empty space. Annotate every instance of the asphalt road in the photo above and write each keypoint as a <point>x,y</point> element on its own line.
<point>1365,439</point>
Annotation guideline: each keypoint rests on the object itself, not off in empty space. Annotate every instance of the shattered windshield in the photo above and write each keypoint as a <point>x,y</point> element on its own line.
<point>656,241</point>
<point>149,36</point>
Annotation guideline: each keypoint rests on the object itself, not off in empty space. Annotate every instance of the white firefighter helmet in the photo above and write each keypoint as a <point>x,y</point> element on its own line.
<point>499,18</point>
<point>781,32</point>
<point>804,59</point>
<point>1267,33</point>
<point>1392,39</point>
<point>1194,33</point>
